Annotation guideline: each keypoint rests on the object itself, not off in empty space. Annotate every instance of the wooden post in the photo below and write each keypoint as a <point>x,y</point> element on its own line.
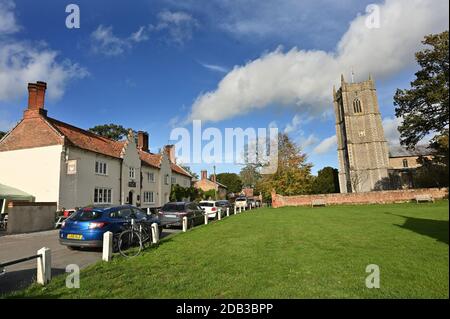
<point>235,210</point>
<point>219,214</point>
<point>107,246</point>
<point>228,211</point>
<point>206,219</point>
<point>44,266</point>
<point>185,224</point>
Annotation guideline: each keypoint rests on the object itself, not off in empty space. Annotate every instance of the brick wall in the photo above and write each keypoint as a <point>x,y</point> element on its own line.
<point>382,197</point>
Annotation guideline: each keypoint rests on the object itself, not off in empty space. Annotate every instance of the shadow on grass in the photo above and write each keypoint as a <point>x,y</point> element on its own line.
<point>437,229</point>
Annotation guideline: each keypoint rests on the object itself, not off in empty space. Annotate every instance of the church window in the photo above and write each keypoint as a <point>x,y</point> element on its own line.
<point>357,108</point>
<point>405,163</point>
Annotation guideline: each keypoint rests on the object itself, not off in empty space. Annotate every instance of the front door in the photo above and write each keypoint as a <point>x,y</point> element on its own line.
<point>130,198</point>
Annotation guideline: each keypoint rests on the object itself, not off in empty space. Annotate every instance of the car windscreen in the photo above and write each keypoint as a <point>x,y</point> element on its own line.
<point>173,208</point>
<point>85,215</point>
<point>222,203</point>
<point>206,204</point>
<point>240,199</point>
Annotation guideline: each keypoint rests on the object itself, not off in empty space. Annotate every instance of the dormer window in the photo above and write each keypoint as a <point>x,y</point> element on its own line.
<point>357,108</point>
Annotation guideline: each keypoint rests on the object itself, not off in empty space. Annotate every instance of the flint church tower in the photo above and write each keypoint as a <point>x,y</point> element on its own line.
<point>362,148</point>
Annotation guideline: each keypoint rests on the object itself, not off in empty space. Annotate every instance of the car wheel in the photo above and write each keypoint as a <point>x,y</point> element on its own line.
<point>73,247</point>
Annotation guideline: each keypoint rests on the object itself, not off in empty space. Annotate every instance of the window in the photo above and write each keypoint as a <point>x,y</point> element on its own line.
<point>149,197</point>
<point>151,177</point>
<point>102,195</point>
<point>186,182</point>
<point>174,180</point>
<point>124,213</point>
<point>405,163</point>
<point>357,108</point>
<point>100,168</point>
<point>166,179</point>
<point>132,173</point>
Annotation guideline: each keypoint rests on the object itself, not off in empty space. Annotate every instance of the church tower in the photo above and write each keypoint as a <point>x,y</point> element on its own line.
<point>362,148</point>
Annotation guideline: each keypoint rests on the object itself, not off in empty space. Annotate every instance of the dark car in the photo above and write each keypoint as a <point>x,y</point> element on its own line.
<point>85,227</point>
<point>172,213</point>
<point>224,204</point>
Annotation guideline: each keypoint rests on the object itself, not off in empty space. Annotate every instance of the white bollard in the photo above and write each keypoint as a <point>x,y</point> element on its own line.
<point>219,214</point>
<point>185,224</point>
<point>250,207</point>
<point>155,233</point>
<point>228,211</point>
<point>44,266</point>
<point>107,246</point>
<point>235,210</point>
<point>240,209</point>
<point>206,219</point>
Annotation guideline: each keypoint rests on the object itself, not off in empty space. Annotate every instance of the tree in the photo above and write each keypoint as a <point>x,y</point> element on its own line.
<point>112,131</point>
<point>2,134</point>
<point>327,181</point>
<point>249,175</point>
<point>231,180</point>
<point>293,175</point>
<point>425,107</point>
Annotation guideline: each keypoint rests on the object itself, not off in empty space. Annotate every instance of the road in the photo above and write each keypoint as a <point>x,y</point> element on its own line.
<point>18,246</point>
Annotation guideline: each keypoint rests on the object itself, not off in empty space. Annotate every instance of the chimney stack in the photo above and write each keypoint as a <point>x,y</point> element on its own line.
<point>170,151</point>
<point>204,174</point>
<point>36,98</point>
<point>143,141</point>
<point>213,178</point>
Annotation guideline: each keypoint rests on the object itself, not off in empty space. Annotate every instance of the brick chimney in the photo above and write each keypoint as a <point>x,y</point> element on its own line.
<point>170,151</point>
<point>213,178</point>
<point>143,141</point>
<point>36,98</point>
<point>204,174</point>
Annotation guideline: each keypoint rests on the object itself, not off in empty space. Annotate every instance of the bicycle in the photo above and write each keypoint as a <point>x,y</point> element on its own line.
<point>132,240</point>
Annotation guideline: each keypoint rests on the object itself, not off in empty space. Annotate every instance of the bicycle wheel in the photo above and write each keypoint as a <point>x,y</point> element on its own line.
<point>130,243</point>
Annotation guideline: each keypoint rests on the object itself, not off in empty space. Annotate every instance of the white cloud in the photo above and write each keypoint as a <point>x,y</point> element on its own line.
<point>8,22</point>
<point>104,41</point>
<point>179,26</point>
<point>307,142</point>
<point>216,68</point>
<point>304,78</point>
<point>390,126</point>
<point>328,144</point>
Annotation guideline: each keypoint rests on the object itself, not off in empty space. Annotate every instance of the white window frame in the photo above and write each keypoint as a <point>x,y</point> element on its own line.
<point>149,197</point>
<point>132,173</point>
<point>101,168</point>
<point>103,191</point>
<point>173,180</point>
<point>151,180</point>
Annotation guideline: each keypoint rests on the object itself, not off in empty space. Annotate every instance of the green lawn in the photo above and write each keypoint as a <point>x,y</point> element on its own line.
<point>285,253</point>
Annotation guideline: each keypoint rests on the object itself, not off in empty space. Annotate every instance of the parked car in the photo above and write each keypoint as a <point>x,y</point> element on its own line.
<point>258,203</point>
<point>251,203</point>
<point>172,213</point>
<point>85,227</point>
<point>224,204</point>
<point>240,202</point>
<point>211,208</point>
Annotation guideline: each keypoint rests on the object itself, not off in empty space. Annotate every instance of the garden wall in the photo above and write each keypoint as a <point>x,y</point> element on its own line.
<point>380,197</point>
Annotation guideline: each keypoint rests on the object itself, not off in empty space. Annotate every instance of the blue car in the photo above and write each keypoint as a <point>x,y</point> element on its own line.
<point>85,227</point>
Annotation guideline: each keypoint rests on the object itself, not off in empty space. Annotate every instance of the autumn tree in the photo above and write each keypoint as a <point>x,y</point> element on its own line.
<point>293,175</point>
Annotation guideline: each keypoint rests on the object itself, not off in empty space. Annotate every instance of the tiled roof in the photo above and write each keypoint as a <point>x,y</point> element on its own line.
<point>400,151</point>
<point>88,140</point>
<point>179,170</point>
<point>150,159</point>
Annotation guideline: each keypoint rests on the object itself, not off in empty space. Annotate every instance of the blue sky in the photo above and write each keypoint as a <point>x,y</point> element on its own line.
<point>149,65</point>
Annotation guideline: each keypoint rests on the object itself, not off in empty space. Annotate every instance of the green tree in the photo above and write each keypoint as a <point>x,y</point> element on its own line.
<point>327,181</point>
<point>231,180</point>
<point>2,134</point>
<point>112,131</point>
<point>425,107</point>
<point>293,175</point>
<point>209,194</point>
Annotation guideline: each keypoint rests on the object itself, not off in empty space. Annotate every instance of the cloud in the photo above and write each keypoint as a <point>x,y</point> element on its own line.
<point>8,22</point>
<point>390,126</point>
<point>307,142</point>
<point>28,61</point>
<point>104,41</point>
<point>293,125</point>
<point>179,26</point>
<point>216,68</point>
<point>303,78</point>
<point>326,145</point>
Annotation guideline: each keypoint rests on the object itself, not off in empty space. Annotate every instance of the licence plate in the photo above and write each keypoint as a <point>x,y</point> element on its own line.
<point>171,216</point>
<point>75,236</point>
